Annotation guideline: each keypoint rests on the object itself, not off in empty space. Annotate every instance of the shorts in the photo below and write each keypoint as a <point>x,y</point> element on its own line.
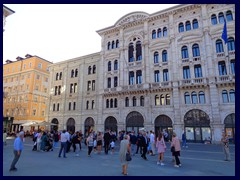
<point>99,143</point>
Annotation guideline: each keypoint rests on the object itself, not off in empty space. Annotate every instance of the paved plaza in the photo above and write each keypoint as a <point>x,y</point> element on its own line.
<point>196,160</point>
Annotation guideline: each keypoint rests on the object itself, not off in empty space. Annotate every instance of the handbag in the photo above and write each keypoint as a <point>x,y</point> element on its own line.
<point>128,157</point>
<point>172,149</point>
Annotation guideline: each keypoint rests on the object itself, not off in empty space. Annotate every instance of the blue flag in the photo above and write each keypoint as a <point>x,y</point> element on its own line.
<point>224,33</point>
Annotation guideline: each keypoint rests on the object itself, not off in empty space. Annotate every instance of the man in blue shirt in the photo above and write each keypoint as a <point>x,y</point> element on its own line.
<point>18,147</point>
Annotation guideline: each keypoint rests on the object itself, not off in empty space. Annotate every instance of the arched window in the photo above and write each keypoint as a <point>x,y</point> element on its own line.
<point>115,81</point>
<point>181,27</point>
<point>201,96</point>
<point>186,72</point>
<point>232,95</point>
<point>187,98</point>
<point>232,62</point>
<point>93,104</point>
<point>76,72</point>
<point>115,65</point>
<point>72,73</point>
<point>156,57</point>
<point>225,96</point>
<point>214,19</point>
<point>139,77</point>
<point>117,43</point>
<point>107,103</point>
<point>89,69</point>
<point>109,46</point>
<point>229,15</point>
<point>126,102</point>
<point>60,76</point>
<point>195,24</point>
<point>167,99</point>
<point>109,83</point>
<point>154,34</point>
<point>231,44</point>
<point>131,78</point>
<point>115,102</point>
<point>56,76</point>
<point>57,106</point>
<point>198,71</point>
<point>94,69</point>
<point>157,100</point>
<point>109,66</point>
<point>159,33</point>
<point>130,53</point>
<point>113,44</point>
<point>139,51</point>
<point>165,75</point>
<point>141,101</point>
<point>184,52</point>
<point>222,68</point>
<point>194,97</point>
<point>164,56</point>
<point>164,32</point>
<point>156,76</point>
<point>69,106</point>
<point>219,46</point>
<point>162,99</point>
<point>111,103</point>
<point>221,18</point>
<point>195,50</point>
<point>134,101</point>
<point>188,26</point>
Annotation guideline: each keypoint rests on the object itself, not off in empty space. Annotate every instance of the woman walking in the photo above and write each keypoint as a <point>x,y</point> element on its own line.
<point>124,148</point>
<point>177,148</point>
<point>99,142</point>
<point>90,144</point>
<point>161,148</point>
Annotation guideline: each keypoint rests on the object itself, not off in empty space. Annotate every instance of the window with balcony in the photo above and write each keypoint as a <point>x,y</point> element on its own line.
<point>232,62</point>
<point>115,102</point>
<point>194,97</point>
<point>187,98</point>
<point>165,75</point>
<point>195,24</point>
<point>109,66</point>
<point>164,32</point>
<point>188,26</point>
<point>130,53</point>
<point>164,56</point>
<point>156,57</point>
<point>115,81</point>
<point>115,65</point>
<point>229,15</point>
<point>232,96</point>
<point>201,96</point>
<point>154,34</point>
<point>181,27</point>
<point>222,68</point>
<point>195,50</point>
<point>221,18</point>
<point>131,78</point>
<point>225,96</point>
<point>198,71</point>
<point>109,83</point>
<point>134,101</point>
<point>157,100</point>
<point>89,69</point>
<point>219,46</point>
<point>94,69</point>
<point>141,101</point>
<point>162,99</point>
<point>107,103</point>
<point>186,72</point>
<point>159,33</point>
<point>231,44</point>
<point>184,52</point>
<point>214,19</point>
<point>139,77</point>
<point>126,102</point>
<point>167,99</point>
<point>139,51</point>
<point>156,76</point>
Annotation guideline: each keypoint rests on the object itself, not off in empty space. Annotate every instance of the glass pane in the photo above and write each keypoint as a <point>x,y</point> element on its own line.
<point>198,134</point>
<point>189,133</point>
<point>206,133</point>
<point>229,132</point>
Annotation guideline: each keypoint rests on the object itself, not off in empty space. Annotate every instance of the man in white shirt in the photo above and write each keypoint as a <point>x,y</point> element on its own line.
<point>63,140</point>
<point>152,142</point>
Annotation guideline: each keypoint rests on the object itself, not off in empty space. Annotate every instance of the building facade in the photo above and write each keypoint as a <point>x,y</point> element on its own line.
<point>25,88</point>
<point>168,70</point>
<point>6,12</point>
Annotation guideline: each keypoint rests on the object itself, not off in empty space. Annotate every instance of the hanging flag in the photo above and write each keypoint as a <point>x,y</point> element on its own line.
<point>224,33</point>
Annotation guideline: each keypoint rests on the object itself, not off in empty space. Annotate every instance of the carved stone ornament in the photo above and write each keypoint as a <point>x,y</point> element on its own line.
<point>132,17</point>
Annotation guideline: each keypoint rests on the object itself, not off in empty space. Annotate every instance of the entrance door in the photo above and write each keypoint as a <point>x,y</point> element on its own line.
<point>134,121</point>
<point>71,125</point>
<point>111,124</point>
<point>163,123</point>
<point>88,126</point>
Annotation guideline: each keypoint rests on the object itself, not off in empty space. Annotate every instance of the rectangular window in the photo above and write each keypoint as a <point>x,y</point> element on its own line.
<point>93,85</point>
<point>36,88</point>
<point>74,105</point>
<point>34,112</point>
<point>131,78</point>
<point>75,87</point>
<point>24,66</point>
<point>43,113</point>
<point>115,81</point>
<point>89,86</point>
<point>165,75</point>
<point>139,77</point>
<point>156,76</point>
<point>109,83</point>
<point>69,106</point>
<point>40,66</point>
<point>198,71</point>
<point>46,79</point>
<point>22,77</point>
<point>71,88</point>
<point>222,68</point>
<point>186,72</point>
<point>38,77</point>
<point>30,64</point>
<point>35,99</point>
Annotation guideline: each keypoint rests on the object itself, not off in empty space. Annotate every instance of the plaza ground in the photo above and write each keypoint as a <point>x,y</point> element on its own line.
<point>196,160</point>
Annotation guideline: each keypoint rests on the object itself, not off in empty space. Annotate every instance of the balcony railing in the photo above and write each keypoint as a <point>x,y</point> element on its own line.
<point>197,58</point>
<point>221,54</point>
<point>185,60</point>
<point>226,78</point>
<point>193,81</point>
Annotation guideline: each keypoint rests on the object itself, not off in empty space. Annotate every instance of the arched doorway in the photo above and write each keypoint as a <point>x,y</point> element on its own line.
<point>111,124</point>
<point>163,123</point>
<point>229,123</point>
<point>88,126</point>
<point>134,121</point>
<point>71,125</point>
<point>54,127</point>
<point>197,126</point>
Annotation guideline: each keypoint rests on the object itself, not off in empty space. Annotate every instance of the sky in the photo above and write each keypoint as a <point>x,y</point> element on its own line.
<point>58,32</point>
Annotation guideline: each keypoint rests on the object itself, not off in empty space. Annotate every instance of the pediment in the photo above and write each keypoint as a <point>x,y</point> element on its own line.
<point>160,43</point>
<point>190,36</point>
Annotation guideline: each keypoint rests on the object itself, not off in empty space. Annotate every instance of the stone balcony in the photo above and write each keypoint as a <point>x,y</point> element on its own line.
<point>225,78</point>
<point>195,81</point>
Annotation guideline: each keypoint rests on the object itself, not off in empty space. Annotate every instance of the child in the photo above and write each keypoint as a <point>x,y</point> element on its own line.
<point>112,144</point>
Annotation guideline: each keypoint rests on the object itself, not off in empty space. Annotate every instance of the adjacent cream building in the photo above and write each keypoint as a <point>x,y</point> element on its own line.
<point>168,70</point>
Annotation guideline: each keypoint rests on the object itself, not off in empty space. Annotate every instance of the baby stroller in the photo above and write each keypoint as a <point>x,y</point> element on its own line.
<point>49,145</point>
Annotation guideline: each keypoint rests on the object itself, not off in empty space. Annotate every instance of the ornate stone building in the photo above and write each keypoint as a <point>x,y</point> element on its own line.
<point>168,70</point>
<point>6,12</point>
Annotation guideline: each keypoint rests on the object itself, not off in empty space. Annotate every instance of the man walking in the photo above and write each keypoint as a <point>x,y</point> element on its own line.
<point>107,138</point>
<point>133,141</point>
<point>18,147</point>
<point>225,143</point>
<point>63,140</point>
<point>144,141</point>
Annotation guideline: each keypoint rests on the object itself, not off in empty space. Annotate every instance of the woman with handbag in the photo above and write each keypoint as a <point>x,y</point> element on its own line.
<point>124,158</point>
<point>175,149</point>
<point>161,148</point>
